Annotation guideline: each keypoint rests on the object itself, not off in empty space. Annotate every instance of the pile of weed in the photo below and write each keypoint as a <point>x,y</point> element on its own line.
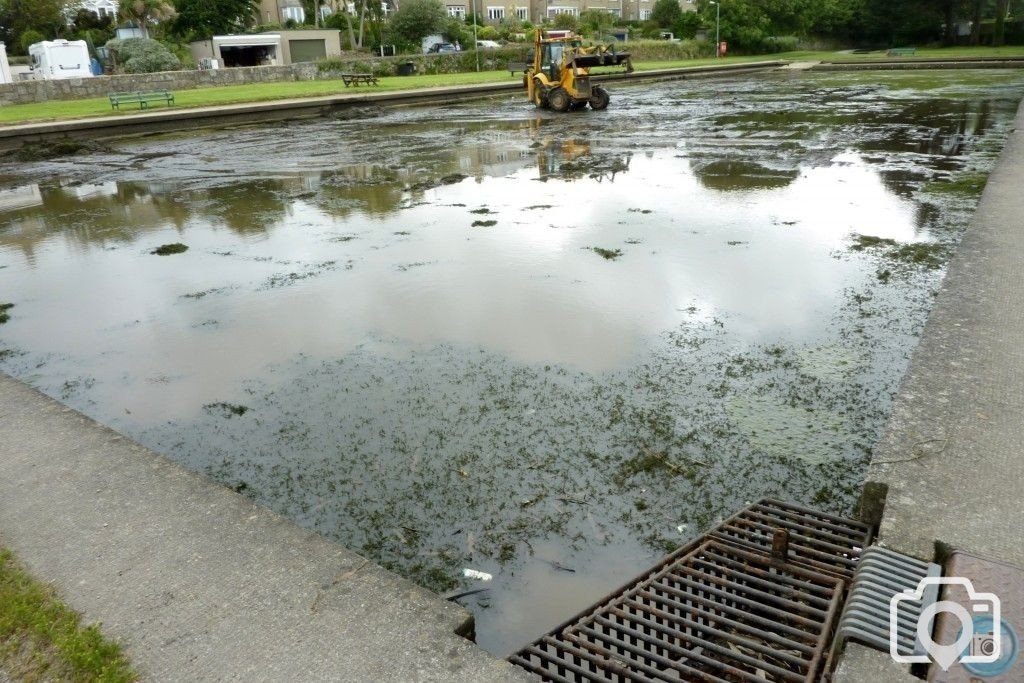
<point>168,249</point>
<point>226,409</point>
<point>4,316</point>
<point>964,185</point>
<point>929,255</point>
<point>607,254</point>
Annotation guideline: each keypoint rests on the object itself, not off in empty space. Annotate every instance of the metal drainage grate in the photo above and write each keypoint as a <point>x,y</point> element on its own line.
<point>757,601</point>
<point>881,575</point>
<point>825,542</point>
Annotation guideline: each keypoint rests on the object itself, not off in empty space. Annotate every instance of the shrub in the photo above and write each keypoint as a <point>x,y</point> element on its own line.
<point>30,37</point>
<point>143,56</point>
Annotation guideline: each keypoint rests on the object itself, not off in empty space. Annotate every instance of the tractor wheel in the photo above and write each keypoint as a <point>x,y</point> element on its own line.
<point>599,99</point>
<point>559,100</point>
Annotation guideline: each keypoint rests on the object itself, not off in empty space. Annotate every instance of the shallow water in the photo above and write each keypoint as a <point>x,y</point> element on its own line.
<point>341,343</point>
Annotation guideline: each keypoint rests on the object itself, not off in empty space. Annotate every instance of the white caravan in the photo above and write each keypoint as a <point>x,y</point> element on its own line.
<point>56,59</point>
<point>5,67</point>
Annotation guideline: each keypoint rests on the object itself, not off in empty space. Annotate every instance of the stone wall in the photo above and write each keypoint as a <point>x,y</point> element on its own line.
<point>24,92</point>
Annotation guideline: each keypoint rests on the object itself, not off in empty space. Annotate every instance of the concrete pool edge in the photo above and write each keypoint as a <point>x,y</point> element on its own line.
<point>104,127</point>
<point>200,583</point>
<point>948,467</point>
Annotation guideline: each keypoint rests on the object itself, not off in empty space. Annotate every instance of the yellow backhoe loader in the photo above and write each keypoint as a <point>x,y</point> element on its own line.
<point>558,76</point>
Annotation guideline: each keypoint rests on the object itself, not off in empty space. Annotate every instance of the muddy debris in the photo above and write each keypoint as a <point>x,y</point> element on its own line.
<point>4,315</point>
<point>352,113</point>
<point>169,249</point>
<point>484,224</point>
<point>54,149</point>
<point>593,166</point>
<point>450,179</point>
<point>482,210</point>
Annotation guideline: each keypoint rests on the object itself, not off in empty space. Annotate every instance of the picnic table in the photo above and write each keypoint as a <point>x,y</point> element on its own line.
<point>356,79</point>
<point>902,52</point>
<point>513,67</point>
<point>141,98</point>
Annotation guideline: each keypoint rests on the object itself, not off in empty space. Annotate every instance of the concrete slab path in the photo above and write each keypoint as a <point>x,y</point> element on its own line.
<point>952,455</point>
<point>953,451</point>
<point>196,581</point>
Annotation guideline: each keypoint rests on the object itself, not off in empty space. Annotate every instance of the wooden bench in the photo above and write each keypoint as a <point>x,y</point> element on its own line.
<point>513,67</point>
<point>356,79</point>
<point>902,52</point>
<point>140,98</point>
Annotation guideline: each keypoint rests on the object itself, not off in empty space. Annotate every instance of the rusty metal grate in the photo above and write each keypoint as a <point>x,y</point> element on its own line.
<point>819,540</point>
<point>722,608</point>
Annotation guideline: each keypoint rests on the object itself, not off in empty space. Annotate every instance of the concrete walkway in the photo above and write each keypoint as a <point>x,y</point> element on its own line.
<point>952,456</point>
<point>197,582</point>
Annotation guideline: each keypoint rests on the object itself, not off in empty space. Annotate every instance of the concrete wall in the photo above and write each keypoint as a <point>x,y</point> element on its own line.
<point>24,92</point>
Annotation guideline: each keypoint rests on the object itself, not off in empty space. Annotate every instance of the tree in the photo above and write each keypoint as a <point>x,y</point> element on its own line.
<point>999,32</point>
<point>596,21</point>
<point>205,18</point>
<point>146,13</point>
<point>565,21</point>
<point>666,13</point>
<point>416,19</point>
<point>92,28</point>
<point>47,17</point>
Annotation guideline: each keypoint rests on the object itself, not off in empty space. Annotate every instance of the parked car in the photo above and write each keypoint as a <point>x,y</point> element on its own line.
<point>442,47</point>
<point>487,44</point>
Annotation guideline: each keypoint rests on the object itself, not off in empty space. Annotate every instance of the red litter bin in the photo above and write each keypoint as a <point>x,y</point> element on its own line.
<point>723,47</point>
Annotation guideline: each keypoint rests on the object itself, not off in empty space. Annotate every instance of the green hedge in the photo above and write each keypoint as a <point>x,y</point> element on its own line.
<point>447,63</point>
<point>460,62</point>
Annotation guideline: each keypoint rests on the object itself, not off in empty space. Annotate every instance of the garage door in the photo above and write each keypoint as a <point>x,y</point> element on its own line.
<point>307,50</point>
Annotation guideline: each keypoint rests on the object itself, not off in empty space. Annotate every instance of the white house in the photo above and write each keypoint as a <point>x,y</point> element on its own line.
<point>101,8</point>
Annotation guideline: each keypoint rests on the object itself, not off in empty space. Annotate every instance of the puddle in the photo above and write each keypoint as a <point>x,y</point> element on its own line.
<point>545,348</point>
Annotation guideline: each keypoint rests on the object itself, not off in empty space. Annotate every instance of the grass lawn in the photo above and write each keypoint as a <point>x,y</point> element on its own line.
<point>41,639</point>
<point>262,92</point>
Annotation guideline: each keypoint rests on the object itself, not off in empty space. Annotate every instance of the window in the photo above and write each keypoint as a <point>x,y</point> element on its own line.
<point>457,11</point>
<point>556,10</point>
<point>496,13</point>
<point>296,14</point>
<point>351,8</point>
<point>645,14</point>
<point>522,13</point>
<point>385,9</point>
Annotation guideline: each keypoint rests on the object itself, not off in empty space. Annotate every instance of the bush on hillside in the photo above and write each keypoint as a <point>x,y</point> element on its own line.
<point>143,56</point>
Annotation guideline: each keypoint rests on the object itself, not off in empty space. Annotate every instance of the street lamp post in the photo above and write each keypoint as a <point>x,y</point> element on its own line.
<point>476,43</point>
<point>718,26</point>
